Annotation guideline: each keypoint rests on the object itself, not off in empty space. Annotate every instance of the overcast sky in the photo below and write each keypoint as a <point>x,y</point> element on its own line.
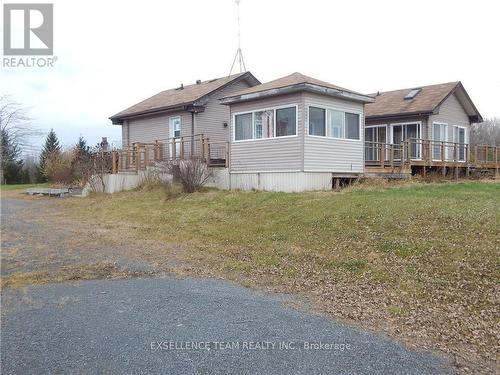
<point>114,53</point>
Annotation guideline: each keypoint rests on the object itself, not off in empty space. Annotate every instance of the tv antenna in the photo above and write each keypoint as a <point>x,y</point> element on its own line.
<point>239,55</point>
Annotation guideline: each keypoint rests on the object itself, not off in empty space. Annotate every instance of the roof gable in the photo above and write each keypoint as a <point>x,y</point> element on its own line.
<point>181,96</point>
<point>426,101</point>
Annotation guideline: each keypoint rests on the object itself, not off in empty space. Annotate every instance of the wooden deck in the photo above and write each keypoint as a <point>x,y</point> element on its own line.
<point>413,156</point>
<point>422,156</point>
<point>140,156</point>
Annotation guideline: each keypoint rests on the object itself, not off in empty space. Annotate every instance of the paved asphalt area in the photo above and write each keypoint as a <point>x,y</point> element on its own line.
<point>126,326</point>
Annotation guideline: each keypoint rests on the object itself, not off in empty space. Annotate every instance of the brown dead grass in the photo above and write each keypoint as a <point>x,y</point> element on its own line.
<point>417,261</point>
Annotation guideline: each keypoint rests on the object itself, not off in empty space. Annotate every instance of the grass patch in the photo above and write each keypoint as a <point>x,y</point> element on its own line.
<point>363,252</point>
<point>15,187</point>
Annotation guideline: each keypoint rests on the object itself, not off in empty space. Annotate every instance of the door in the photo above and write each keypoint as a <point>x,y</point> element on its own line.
<point>439,134</point>
<point>175,135</point>
<point>459,138</point>
<point>403,132</point>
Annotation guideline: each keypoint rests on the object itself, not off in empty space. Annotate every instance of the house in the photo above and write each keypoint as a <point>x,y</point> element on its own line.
<point>298,133</point>
<point>434,120</point>
<point>295,133</point>
<point>184,111</point>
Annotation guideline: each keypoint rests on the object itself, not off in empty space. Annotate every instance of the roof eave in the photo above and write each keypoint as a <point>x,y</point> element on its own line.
<point>118,119</point>
<point>399,115</point>
<point>296,88</point>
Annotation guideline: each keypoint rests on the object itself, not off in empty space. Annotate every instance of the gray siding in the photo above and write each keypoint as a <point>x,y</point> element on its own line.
<point>210,123</point>
<point>152,128</point>
<point>328,154</point>
<point>452,113</point>
<point>273,154</point>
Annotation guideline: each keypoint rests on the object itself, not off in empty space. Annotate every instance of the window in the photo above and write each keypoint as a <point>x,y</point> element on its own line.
<point>317,121</point>
<point>263,124</point>
<point>335,124</point>
<point>352,126</point>
<point>412,93</point>
<point>175,127</point>
<point>268,123</point>
<point>286,122</point>
<point>243,127</point>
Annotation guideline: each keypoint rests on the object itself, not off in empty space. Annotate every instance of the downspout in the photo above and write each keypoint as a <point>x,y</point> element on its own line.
<point>192,132</point>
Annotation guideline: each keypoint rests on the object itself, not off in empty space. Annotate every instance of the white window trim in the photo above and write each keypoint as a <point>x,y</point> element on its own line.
<point>171,128</point>
<point>296,106</point>
<point>354,112</point>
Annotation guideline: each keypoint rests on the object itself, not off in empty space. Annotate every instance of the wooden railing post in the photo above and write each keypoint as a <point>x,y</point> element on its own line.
<point>226,156</point>
<point>113,162</point>
<point>182,148</point>
<point>208,152</point>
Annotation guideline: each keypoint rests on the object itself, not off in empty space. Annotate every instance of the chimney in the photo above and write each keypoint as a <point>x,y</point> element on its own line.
<point>198,81</point>
<point>104,144</point>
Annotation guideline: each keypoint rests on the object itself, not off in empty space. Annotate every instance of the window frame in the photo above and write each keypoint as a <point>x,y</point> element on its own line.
<point>271,108</point>
<point>326,136</point>
<point>170,125</point>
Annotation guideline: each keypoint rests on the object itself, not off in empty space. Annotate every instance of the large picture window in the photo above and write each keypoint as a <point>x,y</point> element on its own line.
<point>268,123</point>
<point>333,123</point>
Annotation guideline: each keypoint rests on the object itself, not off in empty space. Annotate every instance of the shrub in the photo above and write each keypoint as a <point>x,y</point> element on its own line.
<point>191,173</point>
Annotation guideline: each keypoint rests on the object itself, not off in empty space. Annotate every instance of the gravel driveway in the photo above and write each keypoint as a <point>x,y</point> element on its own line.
<point>150,325</point>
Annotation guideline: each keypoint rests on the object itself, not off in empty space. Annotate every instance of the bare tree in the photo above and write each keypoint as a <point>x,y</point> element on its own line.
<point>15,121</point>
<point>486,132</point>
<point>92,167</point>
<point>192,173</point>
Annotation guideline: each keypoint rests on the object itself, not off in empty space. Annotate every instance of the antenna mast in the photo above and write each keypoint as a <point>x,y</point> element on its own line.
<point>239,54</point>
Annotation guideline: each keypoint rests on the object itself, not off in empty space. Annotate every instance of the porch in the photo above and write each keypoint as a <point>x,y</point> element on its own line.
<point>417,155</point>
<point>139,156</point>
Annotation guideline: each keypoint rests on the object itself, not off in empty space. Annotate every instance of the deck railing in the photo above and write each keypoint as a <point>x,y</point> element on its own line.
<point>427,152</point>
<point>139,156</point>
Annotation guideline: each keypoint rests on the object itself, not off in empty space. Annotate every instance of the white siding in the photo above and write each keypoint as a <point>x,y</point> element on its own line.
<point>333,155</point>
<point>281,181</point>
<point>452,113</point>
<point>273,154</point>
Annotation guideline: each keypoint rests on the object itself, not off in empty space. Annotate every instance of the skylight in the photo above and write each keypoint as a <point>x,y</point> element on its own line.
<point>412,93</point>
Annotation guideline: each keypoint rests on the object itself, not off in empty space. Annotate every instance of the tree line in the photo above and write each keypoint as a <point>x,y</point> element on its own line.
<point>73,165</point>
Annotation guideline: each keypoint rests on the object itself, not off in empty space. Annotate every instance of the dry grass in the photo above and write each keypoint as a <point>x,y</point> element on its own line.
<point>419,262</point>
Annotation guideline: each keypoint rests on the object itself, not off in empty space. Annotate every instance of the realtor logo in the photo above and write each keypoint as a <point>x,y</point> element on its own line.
<point>28,29</point>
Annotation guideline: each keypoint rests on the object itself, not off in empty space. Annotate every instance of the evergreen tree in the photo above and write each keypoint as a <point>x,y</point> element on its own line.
<point>11,164</point>
<point>50,149</point>
<point>81,147</point>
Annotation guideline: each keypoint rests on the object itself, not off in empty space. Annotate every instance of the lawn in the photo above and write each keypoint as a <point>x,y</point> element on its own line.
<point>420,262</point>
<point>15,187</point>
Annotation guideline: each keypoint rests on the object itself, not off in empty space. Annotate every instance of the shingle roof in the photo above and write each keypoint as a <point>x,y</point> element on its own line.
<point>290,80</point>
<point>392,103</point>
<point>176,97</point>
